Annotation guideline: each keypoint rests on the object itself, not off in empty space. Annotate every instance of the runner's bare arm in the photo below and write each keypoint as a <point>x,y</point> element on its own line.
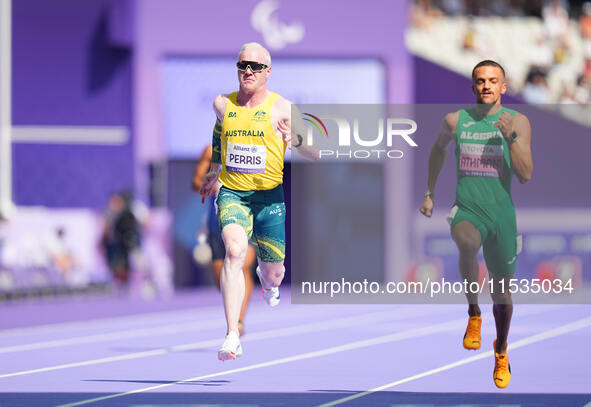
<point>520,146</point>
<point>210,180</point>
<point>201,168</point>
<point>437,159</point>
<point>219,108</point>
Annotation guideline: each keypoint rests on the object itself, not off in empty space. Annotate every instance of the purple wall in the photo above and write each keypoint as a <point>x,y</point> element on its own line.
<point>560,148</point>
<point>66,72</point>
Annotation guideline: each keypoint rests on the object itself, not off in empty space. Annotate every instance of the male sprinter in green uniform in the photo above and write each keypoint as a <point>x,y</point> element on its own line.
<point>492,144</point>
<point>252,131</point>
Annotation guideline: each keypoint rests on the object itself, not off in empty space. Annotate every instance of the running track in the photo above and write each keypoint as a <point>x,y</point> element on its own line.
<point>106,351</point>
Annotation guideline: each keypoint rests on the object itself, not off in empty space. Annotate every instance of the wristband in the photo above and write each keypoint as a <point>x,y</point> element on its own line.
<point>300,139</point>
<point>511,139</point>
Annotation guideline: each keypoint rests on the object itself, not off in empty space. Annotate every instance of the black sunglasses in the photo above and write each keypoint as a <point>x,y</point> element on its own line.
<point>254,66</point>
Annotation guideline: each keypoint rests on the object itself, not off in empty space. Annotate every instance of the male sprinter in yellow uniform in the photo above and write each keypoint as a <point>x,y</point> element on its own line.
<point>492,144</point>
<point>249,141</point>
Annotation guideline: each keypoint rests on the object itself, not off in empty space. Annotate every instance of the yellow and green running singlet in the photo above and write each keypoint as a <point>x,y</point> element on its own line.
<point>252,154</point>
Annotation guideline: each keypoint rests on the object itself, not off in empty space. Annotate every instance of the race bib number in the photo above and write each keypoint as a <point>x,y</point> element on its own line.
<point>481,160</point>
<point>246,158</point>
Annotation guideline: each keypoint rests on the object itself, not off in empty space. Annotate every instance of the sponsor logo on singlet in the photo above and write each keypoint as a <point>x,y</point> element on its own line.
<point>260,116</point>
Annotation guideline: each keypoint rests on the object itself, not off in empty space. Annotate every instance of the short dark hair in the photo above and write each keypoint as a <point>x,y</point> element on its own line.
<point>487,62</point>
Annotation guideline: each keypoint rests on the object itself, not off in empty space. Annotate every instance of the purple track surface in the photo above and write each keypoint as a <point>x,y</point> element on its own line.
<point>106,351</point>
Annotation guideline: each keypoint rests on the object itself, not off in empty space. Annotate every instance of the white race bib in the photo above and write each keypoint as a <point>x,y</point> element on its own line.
<point>246,158</point>
<point>481,160</point>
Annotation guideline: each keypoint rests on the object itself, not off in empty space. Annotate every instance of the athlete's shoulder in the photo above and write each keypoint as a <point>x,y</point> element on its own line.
<point>513,112</point>
<point>517,116</point>
<point>282,105</point>
<point>280,101</point>
<point>219,104</point>
<point>222,98</point>
<point>451,119</point>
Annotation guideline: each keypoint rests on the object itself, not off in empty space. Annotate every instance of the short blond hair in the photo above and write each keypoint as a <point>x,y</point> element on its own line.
<point>254,45</point>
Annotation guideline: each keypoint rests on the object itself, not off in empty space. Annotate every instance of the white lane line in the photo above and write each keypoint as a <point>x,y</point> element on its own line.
<point>188,326</point>
<point>134,333</point>
<point>184,315</point>
<point>399,336</point>
<point>562,330</point>
<point>114,336</point>
<point>399,314</point>
<point>125,320</point>
<point>269,334</point>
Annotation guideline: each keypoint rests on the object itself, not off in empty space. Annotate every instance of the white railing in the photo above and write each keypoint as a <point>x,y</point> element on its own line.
<point>5,108</point>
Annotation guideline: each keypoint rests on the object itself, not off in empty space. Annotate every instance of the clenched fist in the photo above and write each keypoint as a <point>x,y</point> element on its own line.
<point>505,124</point>
<point>285,131</point>
<point>427,206</point>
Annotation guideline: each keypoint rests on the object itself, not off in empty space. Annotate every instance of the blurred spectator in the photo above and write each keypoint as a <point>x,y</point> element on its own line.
<point>453,7</point>
<point>530,7</point>
<point>469,42</point>
<point>536,89</point>
<point>587,55</point>
<point>476,8</point>
<point>499,7</point>
<point>422,14</point>
<point>567,97</point>
<point>58,252</point>
<point>555,16</point>
<point>132,240</point>
<point>62,261</point>
<point>583,90</point>
<point>561,52</point>
<point>539,55</point>
<point>585,21</point>
<point>121,235</point>
<point>475,42</point>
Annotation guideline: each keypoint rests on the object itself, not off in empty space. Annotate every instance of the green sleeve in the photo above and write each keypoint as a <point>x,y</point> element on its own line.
<point>216,143</point>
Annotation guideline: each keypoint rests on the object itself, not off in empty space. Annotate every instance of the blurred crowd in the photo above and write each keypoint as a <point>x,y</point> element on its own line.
<point>555,59</point>
<point>40,260</point>
<point>50,252</point>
